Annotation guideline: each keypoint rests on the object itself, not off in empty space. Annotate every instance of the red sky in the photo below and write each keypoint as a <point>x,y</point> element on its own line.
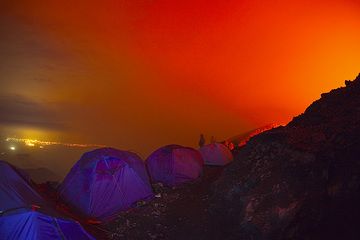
<point>139,74</point>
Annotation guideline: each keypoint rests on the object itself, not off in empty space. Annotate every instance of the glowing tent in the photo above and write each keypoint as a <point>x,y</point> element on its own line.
<point>216,154</point>
<point>15,190</point>
<point>104,182</point>
<point>18,218</point>
<point>174,164</point>
<point>33,225</point>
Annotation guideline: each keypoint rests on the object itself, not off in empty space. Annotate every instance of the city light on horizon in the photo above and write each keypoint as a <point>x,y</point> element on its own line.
<point>41,144</point>
<point>30,144</point>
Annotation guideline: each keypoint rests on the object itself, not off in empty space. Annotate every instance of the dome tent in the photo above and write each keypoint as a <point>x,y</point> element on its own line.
<point>104,182</point>
<point>216,154</point>
<point>174,164</point>
<point>16,191</point>
<point>34,225</point>
<point>18,218</point>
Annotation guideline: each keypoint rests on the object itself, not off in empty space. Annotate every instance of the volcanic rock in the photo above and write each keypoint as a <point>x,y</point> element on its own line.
<point>301,181</point>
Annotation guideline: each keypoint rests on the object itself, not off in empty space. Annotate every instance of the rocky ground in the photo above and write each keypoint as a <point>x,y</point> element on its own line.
<point>175,213</point>
<point>300,181</point>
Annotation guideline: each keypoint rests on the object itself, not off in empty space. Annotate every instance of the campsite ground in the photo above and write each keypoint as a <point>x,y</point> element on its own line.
<point>175,213</point>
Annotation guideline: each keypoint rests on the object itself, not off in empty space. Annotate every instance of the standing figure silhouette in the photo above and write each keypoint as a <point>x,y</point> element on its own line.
<point>201,140</point>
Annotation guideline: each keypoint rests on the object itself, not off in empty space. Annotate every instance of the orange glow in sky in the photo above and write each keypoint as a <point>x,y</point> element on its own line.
<point>139,74</point>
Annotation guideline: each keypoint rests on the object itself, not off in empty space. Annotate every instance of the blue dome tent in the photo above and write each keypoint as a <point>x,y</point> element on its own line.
<point>24,214</point>
<point>104,182</point>
<point>34,225</point>
<point>216,154</point>
<point>174,164</point>
<point>16,191</point>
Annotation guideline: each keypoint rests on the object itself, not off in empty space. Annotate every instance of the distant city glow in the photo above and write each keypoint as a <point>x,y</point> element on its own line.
<point>41,144</point>
<point>30,144</point>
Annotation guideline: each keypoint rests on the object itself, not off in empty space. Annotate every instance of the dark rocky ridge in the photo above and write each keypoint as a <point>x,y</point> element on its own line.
<point>301,181</point>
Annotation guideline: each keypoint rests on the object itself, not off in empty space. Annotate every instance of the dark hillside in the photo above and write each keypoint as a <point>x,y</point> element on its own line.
<point>301,181</point>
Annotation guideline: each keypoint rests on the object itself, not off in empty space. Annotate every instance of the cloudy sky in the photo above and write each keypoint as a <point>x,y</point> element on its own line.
<point>142,73</point>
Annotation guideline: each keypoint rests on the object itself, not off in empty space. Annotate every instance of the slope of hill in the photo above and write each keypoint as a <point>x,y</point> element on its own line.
<point>241,139</point>
<point>301,181</point>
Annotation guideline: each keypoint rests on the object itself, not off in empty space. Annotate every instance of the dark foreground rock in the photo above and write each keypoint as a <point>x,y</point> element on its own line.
<point>301,181</point>
<point>175,213</point>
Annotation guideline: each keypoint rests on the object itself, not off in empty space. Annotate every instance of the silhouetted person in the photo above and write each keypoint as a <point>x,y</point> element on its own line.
<point>201,140</point>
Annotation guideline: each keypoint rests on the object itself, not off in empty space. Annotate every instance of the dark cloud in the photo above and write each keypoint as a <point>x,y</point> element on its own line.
<point>19,110</point>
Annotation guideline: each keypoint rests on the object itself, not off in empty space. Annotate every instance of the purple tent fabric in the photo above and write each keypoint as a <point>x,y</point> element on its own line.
<point>216,154</point>
<point>174,164</point>
<point>17,221</point>
<point>104,182</point>
<point>31,225</point>
<point>15,191</point>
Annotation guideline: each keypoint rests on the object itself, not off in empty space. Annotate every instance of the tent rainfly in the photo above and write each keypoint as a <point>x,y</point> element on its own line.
<point>24,214</point>
<point>175,164</point>
<point>34,225</point>
<point>104,182</point>
<point>216,154</point>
